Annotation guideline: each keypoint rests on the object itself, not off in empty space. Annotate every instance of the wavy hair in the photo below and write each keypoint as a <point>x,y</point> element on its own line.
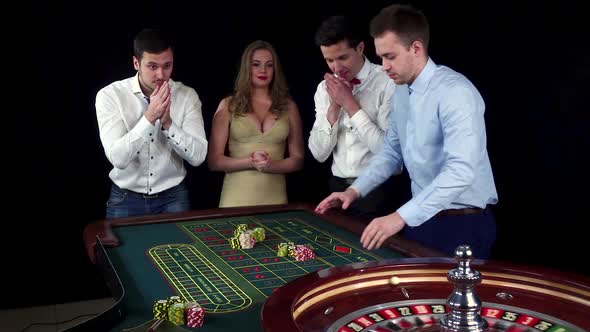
<point>241,103</point>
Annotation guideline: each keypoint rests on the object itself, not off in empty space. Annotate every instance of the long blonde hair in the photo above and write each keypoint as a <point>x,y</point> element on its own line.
<point>241,103</point>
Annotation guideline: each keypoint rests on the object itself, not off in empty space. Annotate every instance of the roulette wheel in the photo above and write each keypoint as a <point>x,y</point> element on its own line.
<point>431,294</point>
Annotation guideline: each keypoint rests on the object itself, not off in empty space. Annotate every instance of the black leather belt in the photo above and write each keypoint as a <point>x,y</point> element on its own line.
<point>348,181</point>
<point>148,196</point>
<point>460,212</point>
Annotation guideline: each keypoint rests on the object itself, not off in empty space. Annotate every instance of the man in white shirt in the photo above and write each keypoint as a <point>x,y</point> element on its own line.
<point>149,125</point>
<point>352,108</point>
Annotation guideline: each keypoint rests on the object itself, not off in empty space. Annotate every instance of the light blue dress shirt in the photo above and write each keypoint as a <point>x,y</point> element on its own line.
<point>437,130</point>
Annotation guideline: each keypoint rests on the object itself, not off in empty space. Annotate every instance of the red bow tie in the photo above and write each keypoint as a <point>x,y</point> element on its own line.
<point>355,81</point>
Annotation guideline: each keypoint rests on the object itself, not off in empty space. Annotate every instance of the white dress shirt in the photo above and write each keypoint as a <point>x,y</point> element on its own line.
<point>353,141</point>
<point>146,158</point>
<point>438,131</point>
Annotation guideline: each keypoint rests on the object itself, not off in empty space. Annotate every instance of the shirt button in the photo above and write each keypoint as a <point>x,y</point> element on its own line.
<point>152,157</point>
<point>172,135</point>
<point>185,150</point>
<point>150,134</point>
<point>151,174</point>
<point>137,152</point>
<point>150,189</point>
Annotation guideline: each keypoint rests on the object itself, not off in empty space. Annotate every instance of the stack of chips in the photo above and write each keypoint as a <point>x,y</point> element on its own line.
<point>175,309</point>
<point>241,228</point>
<point>282,250</point>
<point>303,253</point>
<point>259,234</point>
<point>234,242</point>
<point>161,309</point>
<point>285,249</point>
<point>300,252</point>
<point>247,240</point>
<point>176,313</point>
<point>195,315</point>
<point>179,312</point>
<point>174,299</point>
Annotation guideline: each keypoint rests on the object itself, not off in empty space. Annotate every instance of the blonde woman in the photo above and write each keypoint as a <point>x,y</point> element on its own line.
<point>259,125</point>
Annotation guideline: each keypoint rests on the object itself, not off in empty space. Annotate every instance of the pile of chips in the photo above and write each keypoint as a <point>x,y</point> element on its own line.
<point>195,315</point>
<point>241,228</point>
<point>300,252</point>
<point>176,313</point>
<point>259,234</point>
<point>245,238</point>
<point>161,309</point>
<point>179,312</point>
<point>247,241</point>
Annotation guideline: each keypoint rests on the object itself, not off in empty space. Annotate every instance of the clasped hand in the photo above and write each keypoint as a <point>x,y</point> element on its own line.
<point>260,160</point>
<point>339,90</point>
<point>159,108</point>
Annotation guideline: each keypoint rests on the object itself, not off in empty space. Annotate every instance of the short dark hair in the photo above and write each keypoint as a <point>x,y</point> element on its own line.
<point>152,41</point>
<point>336,29</point>
<point>407,22</point>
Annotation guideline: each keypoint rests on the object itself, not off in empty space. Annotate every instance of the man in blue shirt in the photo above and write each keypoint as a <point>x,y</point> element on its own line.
<point>438,133</point>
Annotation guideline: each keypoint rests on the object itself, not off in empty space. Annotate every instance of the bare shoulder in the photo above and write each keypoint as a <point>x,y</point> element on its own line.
<point>292,107</point>
<point>293,111</point>
<point>224,103</point>
<point>223,108</point>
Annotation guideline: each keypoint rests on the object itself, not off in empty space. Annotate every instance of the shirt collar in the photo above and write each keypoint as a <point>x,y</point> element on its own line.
<point>421,82</point>
<point>135,87</point>
<point>365,70</point>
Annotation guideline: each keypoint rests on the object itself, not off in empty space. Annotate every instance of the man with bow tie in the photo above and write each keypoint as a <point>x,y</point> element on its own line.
<point>352,107</point>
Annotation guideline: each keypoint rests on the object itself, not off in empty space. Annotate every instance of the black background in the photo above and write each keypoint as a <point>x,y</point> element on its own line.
<point>529,62</point>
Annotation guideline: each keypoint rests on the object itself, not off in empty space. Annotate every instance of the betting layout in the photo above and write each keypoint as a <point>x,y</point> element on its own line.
<point>223,279</point>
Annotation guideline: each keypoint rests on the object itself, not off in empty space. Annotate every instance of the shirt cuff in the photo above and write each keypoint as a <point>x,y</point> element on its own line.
<point>144,127</point>
<point>326,127</point>
<point>362,185</point>
<point>412,214</point>
<point>164,130</point>
<point>360,119</point>
<point>172,132</point>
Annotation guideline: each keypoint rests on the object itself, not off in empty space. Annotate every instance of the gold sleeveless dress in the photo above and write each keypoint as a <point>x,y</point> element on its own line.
<point>251,187</point>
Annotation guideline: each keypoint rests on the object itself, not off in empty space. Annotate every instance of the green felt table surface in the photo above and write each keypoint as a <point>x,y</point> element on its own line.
<point>189,255</point>
<point>193,259</point>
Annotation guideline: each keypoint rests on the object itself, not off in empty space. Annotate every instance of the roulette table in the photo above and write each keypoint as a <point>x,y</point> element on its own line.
<point>150,258</point>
